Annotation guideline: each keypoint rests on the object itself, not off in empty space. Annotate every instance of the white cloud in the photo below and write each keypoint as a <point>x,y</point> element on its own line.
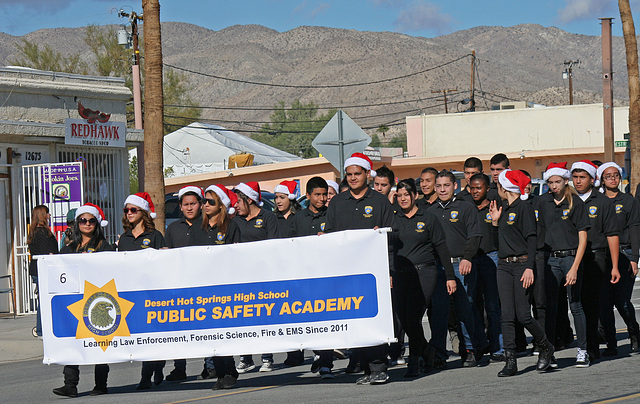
<point>575,10</point>
<point>423,15</point>
<point>305,9</point>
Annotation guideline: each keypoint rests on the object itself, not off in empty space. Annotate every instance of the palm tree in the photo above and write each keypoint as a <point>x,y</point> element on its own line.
<point>154,108</point>
<point>630,43</point>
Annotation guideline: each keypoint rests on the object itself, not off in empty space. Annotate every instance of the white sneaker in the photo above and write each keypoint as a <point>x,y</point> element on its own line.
<point>582,359</point>
<point>267,366</point>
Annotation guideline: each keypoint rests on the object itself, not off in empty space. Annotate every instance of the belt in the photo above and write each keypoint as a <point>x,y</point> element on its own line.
<point>519,258</point>
<point>456,260</point>
<point>563,253</point>
<point>424,265</point>
<point>599,250</point>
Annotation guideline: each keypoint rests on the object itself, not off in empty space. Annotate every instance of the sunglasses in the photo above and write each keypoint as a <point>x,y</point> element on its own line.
<point>91,221</point>
<point>132,210</point>
<point>211,202</point>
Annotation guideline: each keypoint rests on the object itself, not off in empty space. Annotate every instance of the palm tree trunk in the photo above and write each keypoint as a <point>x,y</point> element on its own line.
<point>631,45</point>
<point>154,108</point>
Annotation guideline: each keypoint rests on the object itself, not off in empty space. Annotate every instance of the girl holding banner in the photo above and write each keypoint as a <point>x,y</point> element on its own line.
<point>87,236</point>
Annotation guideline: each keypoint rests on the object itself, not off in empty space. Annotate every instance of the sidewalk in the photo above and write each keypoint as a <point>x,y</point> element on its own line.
<point>16,341</point>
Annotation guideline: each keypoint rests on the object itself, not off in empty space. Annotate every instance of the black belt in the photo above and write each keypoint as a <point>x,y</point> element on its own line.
<point>519,258</point>
<point>599,250</point>
<point>424,265</point>
<point>563,253</point>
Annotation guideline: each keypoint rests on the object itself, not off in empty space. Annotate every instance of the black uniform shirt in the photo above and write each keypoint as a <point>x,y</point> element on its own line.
<point>602,216</point>
<point>347,213</point>
<point>177,234</point>
<point>212,235</point>
<point>539,224</point>
<point>464,195</point>
<point>489,242</point>
<point>307,223</point>
<point>492,193</point>
<point>418,236</point>
<point>423,203</point>
<point>516,225</point>
<point>104,246</point>
<point>262,227</point>
<point>148,239</point>
<point>284,225</point>
<point>459,219</point>
<point>627,211</point>
<point>561,224</point>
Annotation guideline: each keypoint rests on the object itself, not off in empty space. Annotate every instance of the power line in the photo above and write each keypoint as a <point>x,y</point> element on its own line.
<point>316,86</point>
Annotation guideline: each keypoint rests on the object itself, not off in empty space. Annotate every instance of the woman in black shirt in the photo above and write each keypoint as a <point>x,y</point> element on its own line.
<point>286,207</point>
<point>41,242</point>
<point>517,245</point>
<point>86,237</point>
<point>140,233</point>
<point>419,237</point>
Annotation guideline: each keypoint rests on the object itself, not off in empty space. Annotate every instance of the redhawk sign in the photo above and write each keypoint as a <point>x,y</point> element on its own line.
<point>94,130</point>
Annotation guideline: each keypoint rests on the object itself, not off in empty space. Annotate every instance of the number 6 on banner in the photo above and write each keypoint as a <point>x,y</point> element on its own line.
<point>63,279</point>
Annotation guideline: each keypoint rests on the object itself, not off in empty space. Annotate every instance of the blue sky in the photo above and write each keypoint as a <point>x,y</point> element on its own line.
<point>427,18</point>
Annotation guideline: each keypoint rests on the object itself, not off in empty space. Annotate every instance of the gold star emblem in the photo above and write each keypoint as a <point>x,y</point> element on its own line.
<point>101,314</point>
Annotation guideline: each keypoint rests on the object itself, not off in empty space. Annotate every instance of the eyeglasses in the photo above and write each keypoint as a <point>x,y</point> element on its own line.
<point>211,202</point>
<point>91,221</point>
<point>611,176</point>
<point>132,210</point>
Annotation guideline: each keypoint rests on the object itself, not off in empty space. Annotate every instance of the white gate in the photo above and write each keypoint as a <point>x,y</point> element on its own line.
<point>59,187</point>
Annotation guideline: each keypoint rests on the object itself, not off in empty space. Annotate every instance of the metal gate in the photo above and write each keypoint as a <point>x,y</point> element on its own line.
<point>59,187</point>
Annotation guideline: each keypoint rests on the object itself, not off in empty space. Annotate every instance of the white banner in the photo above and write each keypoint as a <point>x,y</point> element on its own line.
<point>316,292</point>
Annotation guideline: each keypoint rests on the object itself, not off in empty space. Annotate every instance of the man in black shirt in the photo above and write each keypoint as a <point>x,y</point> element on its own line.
<point>497,164</point>
<point>363,208</point>
<point>486,264</point>
<point>384,182</point>
<point>602,243</point>
<point>176,236</point>
<point>459,220</point>
<point>428,188</point>
<point>471,167</point>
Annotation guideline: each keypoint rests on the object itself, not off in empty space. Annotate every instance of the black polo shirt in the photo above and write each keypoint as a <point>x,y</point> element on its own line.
<point>212,235</point>
<point>348,213</point>
<point>602,217</point>
<point>517,224</point>
<point>492,193</point>
<point>561,224</point>
<point>262,227</point>
<point>417,237</point>
<point>104,246</point>
<point>148,239</point>
<point>177,233</point>
<point>489,242</point>
<point>459,219</point>
<point>465,195</point>
<point>627,211</point>
<point>539,224</point>
<point>284,225</point>
<point>307,223</point>
<point>423,203</point>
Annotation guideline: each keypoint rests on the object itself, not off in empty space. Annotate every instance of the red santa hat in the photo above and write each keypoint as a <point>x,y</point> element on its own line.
<point>514,181</point>
<point>190,188</point>
<point>559,169</point>
<point>252,190</point>
<point>143,201</point>
<point>603,167</point>
<point>588,166</point>
<point>360,160</point>
<point>288,188</point>
<point>225,196</point>
<point>93,210</point>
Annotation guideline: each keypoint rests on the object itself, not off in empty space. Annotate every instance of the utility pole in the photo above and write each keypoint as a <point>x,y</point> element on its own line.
<point>472,100</point>
<point>154,108</point>
<point>137,88</point>
<point>444,93</point>
<point>607,89</point>
<point>568,74</point>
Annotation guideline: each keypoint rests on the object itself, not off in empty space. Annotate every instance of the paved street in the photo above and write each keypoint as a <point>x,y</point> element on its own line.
<point>24,379</point>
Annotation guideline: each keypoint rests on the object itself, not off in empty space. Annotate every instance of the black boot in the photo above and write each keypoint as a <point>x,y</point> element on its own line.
<point>511,367</point>
<point>101,375</point>
<point>413,366</point>
<point>634,343</point>
<point>67,391</point>
<point>545,356</point>
<point>146,375</point>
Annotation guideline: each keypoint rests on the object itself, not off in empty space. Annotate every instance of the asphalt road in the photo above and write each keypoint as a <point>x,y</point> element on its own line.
<point>613,380</point>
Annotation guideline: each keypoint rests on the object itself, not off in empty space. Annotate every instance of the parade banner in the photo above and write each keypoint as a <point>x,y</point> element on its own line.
<point>315,292</point>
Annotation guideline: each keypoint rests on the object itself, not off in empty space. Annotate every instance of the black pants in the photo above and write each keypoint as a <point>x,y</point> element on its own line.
<point>151,367</point>
<point>180,365</point>
<point>514,303</point>
<point>414,287</point>
<point>72,375</point>
<point>618,295</point>
<point>595,271</point>
<point>225,365</point>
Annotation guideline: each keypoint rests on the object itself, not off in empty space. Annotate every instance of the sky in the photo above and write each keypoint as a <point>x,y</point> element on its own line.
<point>427,18</point>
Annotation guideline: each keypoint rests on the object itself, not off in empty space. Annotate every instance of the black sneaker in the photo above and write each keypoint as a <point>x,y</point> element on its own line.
<point>366,379</point>
<point>67,391</point>
<point>145,384</point>
<point>177,375</point>
<point>469,360</point>
<point>379,377</point>
<point>315,366</point>
<point>228,381</point>
<point>610,352</point>
<point>326,374</point>
<point>98,391</point>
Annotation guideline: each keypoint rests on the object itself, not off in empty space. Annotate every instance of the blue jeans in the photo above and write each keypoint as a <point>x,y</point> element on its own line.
<point>559,267</point>
<point>463,305</point>
<point>38,316</point>
<point>486,266</point>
